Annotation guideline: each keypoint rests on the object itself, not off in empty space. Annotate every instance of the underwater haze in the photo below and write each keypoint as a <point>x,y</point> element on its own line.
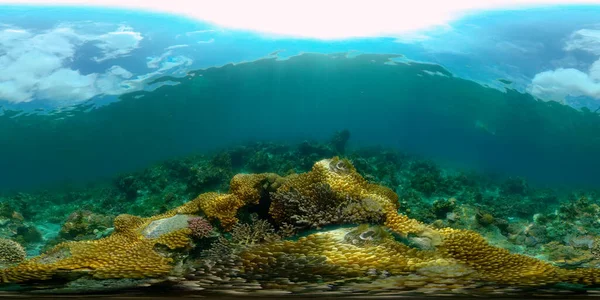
<point>145,151</point>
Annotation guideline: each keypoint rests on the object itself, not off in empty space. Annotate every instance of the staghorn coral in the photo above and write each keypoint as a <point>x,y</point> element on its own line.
<point>257,232</point>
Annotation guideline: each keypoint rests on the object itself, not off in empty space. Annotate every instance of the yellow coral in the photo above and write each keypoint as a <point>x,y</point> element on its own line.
<point>333,192</point>
<point>248,187</point>
<point>349,260</point>
<point>495,264</point>
<point>245,189</point>
<point>223,207</point>
<point>127,253</point>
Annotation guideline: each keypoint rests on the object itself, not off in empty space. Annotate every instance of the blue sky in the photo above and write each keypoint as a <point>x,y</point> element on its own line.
<point>60,56</point>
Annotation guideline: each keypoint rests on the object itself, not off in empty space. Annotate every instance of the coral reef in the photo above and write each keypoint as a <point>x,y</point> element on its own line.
<point>393,245</point>
<point>245,223</point>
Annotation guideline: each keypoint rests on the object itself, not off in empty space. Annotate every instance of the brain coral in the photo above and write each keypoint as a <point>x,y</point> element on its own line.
<point>11,252</point>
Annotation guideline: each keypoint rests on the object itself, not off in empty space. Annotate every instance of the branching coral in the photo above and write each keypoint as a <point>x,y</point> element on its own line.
<point>222,259</point>
<point>331,193</point>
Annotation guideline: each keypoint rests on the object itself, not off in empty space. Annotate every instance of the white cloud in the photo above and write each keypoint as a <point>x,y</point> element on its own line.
<point>37,65</point>
<point>154,62</point>
<point>192,33</point>
<point>177,47</point>
<point>118,43</point>
<point>67,86</point>
<point>557,84</point>
<point>560,83</point>
<point>200,32</point>
<point>436,73</point>
<point>166,62</point>
<point>27,59</point>
<point>209,41</point>
<point>519,47</point>
<point>175,62</point>
<point>586,40</point>
<point>118,71</point>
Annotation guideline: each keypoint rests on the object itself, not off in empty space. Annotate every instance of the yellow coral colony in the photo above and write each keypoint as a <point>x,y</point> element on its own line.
<point>130,252</point>
<point>127,253</point>
<point>245,189</point>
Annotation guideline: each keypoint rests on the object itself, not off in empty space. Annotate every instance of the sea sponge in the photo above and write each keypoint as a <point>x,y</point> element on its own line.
<point>11,252</point>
